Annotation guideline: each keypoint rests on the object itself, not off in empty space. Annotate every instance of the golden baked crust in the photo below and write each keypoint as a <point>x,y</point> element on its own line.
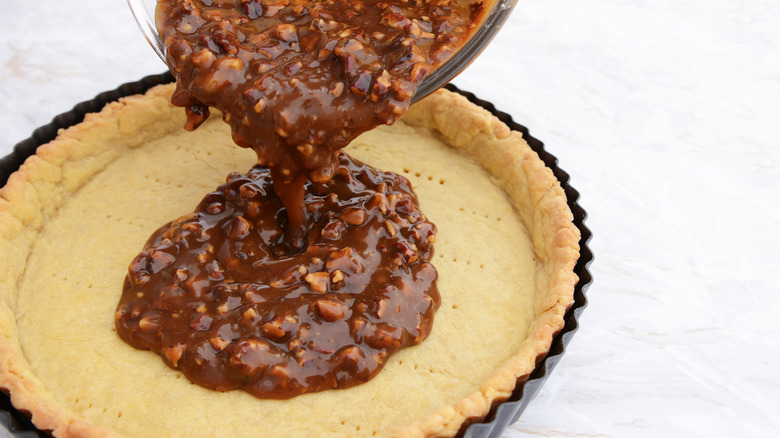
<point>68,197</point>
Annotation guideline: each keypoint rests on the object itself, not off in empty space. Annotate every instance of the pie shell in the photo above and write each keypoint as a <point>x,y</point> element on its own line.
<point>44,182</point>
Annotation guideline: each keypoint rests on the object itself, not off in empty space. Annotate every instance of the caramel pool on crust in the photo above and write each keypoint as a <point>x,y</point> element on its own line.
<point>75,214</point>
<point>217,296</point>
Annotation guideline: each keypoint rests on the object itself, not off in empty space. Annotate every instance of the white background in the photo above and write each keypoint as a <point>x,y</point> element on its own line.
<point>667,116</point>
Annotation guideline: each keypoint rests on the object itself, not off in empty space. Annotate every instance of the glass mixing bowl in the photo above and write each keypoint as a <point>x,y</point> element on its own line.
<point>498,12</point>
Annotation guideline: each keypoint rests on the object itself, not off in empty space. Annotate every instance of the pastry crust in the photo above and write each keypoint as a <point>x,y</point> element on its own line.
<point>35,195</point>
<point>541,203</point>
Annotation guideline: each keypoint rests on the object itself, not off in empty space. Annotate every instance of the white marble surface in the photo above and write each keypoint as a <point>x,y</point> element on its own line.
<point>667,116</point>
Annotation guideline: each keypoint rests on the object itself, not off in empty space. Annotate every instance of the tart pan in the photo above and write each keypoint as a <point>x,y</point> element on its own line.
<point>502,414</point>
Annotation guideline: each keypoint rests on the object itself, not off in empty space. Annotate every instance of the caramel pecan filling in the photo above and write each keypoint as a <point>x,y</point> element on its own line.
<point>298,80</point>
<point>217,295</point>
